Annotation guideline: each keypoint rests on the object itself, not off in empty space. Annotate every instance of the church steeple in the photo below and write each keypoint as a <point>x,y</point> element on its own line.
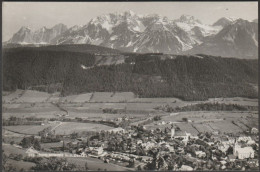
<point>172,131</point>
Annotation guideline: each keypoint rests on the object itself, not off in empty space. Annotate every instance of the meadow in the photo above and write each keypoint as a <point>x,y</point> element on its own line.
<point>70,127</point>
<point>28,129</point>
<point>91,105</point>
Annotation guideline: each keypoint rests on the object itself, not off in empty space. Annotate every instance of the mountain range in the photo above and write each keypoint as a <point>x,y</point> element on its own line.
<point>153,33</point>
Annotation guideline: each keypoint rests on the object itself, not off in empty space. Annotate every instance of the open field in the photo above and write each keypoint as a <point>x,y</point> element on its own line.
<point>33,97</point>
<point>18,165</point>
<point>101,96</point>
<point>90,106</point>
<point>8,149</point>
<point>9,136</point>
<point>122,97</point>
<point>22,114</point>
<point>203,121</point>
<point>95,164</point>
<point>70,127</point>
<point>203,128</point>
<point>28,129</point>
<point>235,100</point>
<point>188,128</point>
<point>12,96</point>
<point>103,116</point>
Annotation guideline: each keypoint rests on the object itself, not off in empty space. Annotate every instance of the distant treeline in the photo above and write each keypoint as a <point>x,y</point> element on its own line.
<point>185,77</point>
<point>208,107</point>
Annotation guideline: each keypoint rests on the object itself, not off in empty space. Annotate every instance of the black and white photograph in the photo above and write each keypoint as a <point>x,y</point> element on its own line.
<point>130,86</point>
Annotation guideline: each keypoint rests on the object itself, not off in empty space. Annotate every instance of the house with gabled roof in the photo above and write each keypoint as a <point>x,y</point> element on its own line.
<point>31,152</point>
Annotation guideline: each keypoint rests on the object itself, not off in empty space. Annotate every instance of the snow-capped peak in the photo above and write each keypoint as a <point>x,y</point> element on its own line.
<point>74,28</point>
<point>232,19</point>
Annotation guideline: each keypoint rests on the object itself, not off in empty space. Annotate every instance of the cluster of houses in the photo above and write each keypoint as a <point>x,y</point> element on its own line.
<point>222,149</point>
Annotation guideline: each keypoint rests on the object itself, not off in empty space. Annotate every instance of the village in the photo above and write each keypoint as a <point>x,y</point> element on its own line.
<point>169,149</point>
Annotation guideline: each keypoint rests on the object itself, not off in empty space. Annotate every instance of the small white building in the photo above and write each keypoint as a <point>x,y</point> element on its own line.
<point>185,168</point>
<point>139,142</point>
<point>245,139</point>
<point>223,147</point>
<point>243,153</point>
<point>174,114</point>
<point>200,154</point>
<point>254,130</point>
<point>97,151</point>
<point>31,152</point>
<point>117,130</point>
<point>180,134</point>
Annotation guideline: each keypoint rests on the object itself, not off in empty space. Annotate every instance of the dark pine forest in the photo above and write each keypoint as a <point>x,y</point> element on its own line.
<point>147,75</point>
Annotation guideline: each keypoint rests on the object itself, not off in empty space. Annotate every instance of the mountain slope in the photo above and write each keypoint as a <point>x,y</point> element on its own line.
<point>224,21</point>
<point>239,39</point>
<point>195,77</point>
<point>42,36</point>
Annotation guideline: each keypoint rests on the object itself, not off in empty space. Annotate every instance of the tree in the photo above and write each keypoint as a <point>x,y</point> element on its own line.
<point>37,144</point>
<point>55,164</point>
<point>131,163</point>
<point>18,157</point>
<point>30,141</point>
<point>185,119</point>
<point>10,168</point>
<point>157,118</point>
<point>74,135</point>
<point>86,166</point>
<point>4,159</point>
<point>139,168</point>
<point>230,150</point>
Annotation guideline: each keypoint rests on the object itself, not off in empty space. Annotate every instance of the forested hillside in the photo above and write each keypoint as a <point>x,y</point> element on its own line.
<point>147,75</point>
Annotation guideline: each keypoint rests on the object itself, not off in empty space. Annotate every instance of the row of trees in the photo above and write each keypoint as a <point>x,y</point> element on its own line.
<point>208,107</point>
<point>22,121</point>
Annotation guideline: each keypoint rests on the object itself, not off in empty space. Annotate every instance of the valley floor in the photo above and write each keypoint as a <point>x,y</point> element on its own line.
<point>98,112</point>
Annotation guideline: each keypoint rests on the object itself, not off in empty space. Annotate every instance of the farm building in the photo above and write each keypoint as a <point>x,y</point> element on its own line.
<point>186,168</point>
<point>174,114</point>
<point>243,153</point>
<point>97,151</point>
<point>31,152</point>
<point>254,130</point>
<point>200,154</point>
<point>245,139</point>
<point>180,134</point>
<point>117,130</point>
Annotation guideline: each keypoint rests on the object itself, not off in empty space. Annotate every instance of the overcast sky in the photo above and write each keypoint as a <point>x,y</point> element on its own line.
<point>38,14</point>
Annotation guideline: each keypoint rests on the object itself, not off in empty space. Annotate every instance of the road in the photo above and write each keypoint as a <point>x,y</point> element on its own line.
<point>57,126</point>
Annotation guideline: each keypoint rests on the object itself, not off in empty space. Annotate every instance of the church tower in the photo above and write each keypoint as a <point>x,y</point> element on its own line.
<point>172,132</point>
<point>235,147</point>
